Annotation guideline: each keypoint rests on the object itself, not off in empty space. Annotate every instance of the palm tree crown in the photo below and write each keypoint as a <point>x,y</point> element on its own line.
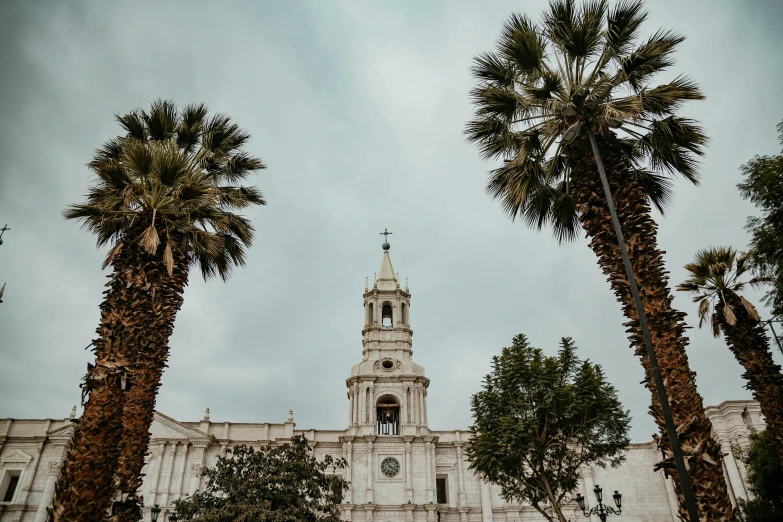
<point>581,63</point>
<point>715,280</point>
<point>171,180</point>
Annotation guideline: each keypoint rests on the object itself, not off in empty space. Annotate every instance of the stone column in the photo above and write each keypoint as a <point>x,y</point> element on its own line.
<point>372,407</point>
<point>370,468</point>
<point>197,466</point>
<point>733,476</point>
<point>486,502</point>
<point>587,488</point>
<point>420,398</point>
<point>408,483</point>
<point>52,473</point>
<point>424,405</point>
<point>362,407</point>
<point>30,475</point>
<point>178,479</point>
<point>350,407</point>
<point>430,478</point>
<point>348,454</point>
<point>355,403</point>
<point>157,455</point>
<point>403,408</point>
<point>164,492</point>
<point>460,472</point>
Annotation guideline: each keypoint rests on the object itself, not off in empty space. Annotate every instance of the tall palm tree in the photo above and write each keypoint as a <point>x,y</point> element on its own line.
<point>715,280</point>
<point>586,66</point>
<point>164,198</point>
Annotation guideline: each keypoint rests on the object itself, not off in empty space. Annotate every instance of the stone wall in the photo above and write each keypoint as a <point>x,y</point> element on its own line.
<point>179,451</point>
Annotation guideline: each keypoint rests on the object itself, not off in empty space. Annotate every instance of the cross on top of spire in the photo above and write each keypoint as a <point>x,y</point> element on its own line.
<point>386,235</point>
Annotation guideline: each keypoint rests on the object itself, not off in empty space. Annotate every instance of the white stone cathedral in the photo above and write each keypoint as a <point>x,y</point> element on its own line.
<point>399,469</point>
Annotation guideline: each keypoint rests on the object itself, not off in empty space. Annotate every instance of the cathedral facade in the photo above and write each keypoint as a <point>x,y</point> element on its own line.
<point>399,469</point>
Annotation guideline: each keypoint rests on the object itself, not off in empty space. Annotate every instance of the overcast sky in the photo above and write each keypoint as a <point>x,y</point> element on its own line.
<point>358,110</point>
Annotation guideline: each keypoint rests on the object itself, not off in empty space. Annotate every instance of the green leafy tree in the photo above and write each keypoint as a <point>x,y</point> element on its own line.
<point>763,186</point>
<point>165,196</point>
<point>587,65</point>
<point>538,419</point>
<point>283,483</point>
<point>764,480</point>
<point>715,279</point>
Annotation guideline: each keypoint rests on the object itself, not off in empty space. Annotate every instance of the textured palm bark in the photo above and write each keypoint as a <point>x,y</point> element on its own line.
<point>85,488</point>
<point>666,325</point>
<point>750,345</point>
<point>146,371</point>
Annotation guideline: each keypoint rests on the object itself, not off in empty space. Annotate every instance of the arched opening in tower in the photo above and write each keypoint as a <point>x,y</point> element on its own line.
<point>386,315</point>
<point>370,314</point>
<point>387,418</point>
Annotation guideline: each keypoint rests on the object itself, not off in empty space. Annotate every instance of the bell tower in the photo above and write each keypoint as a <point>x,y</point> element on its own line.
<point>387,390</point>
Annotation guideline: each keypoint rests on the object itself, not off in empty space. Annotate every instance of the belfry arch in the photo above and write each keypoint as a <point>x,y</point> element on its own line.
<point>387,315</point>
<point>387,415</point>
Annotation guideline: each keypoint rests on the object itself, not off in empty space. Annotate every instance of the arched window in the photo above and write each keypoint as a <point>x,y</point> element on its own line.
<point>387,416</point>
<point>370,314</point>
<point>404,310</point>
<point>387,320</point>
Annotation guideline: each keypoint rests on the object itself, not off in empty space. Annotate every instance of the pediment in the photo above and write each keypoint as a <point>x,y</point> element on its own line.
<point>63,431</point>
<point>17,457</point>
<point>164,427</point>
<point>444,462</point>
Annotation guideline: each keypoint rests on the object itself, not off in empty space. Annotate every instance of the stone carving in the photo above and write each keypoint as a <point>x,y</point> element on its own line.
<point>387,365</point>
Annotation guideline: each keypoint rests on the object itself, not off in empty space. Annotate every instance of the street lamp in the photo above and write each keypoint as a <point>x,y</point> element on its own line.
<point>154,512</point>
<point>569,136</point>
<point>601,510</point>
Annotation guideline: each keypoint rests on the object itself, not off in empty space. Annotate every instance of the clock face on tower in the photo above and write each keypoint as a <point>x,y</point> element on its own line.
<point>390,466</point>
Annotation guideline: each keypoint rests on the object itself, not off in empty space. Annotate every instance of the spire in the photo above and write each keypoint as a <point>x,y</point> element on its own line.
<point>386,279</point>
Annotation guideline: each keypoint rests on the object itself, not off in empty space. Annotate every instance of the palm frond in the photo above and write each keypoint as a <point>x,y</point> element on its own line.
<point>173,175</point>
<point>521,45</point>
<point>650,58</point>
<point>623,23</point>
<point>491,69</point>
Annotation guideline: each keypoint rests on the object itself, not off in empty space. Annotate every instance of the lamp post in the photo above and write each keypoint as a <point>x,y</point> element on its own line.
<point>601,510</point>
<point>570,135</point>
<point>154,512</point>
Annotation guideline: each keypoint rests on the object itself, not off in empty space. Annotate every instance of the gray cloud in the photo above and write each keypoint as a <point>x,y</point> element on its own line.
<point>358,109</point>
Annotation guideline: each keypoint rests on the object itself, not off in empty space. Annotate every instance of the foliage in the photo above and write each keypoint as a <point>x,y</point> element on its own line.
<point>175,173</point>
<point>581,62</point>
<point>272,484</point>
<point>764,480</point>
<point>763,186</point>
<point>715,273</point>
<point>538,419</point>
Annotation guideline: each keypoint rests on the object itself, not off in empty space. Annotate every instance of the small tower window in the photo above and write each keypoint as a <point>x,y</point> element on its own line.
<point>404,310</point>
<point>386,316</point>
<point>387,416</point>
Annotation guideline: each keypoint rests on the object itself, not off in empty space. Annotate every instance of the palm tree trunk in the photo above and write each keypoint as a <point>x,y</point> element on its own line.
<point>86,485</point>
<point>750,345</point>
<point>147,370</point>
<point>666,325</point>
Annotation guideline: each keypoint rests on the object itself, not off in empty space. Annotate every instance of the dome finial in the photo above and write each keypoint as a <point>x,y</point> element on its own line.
<point>386,246</point>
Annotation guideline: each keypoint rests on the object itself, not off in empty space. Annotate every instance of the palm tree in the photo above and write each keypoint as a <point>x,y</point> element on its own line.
<point>715,281</point>
<point>582,73</point>
<point>164,198</point>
